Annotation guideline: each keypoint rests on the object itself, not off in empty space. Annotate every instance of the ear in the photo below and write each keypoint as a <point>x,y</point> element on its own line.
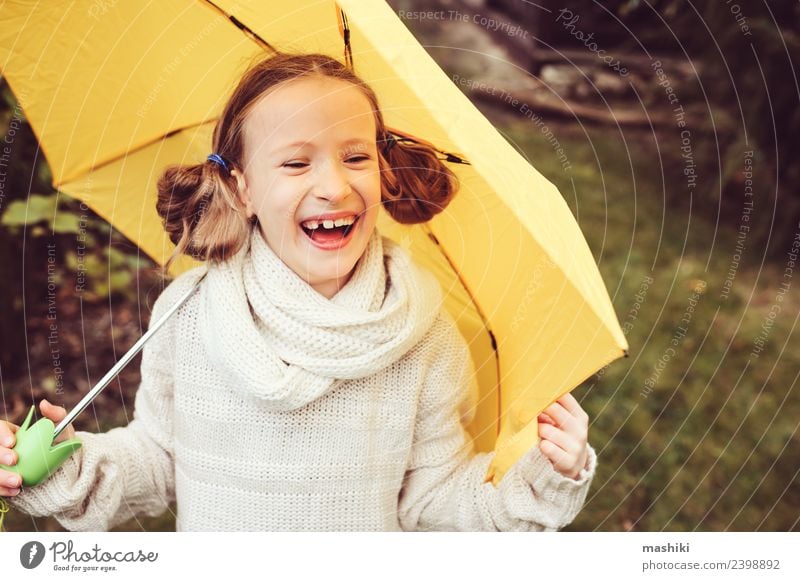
<point>244,193</point>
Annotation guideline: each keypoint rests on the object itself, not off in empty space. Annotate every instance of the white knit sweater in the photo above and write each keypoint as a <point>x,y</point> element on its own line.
<point>265,406</point>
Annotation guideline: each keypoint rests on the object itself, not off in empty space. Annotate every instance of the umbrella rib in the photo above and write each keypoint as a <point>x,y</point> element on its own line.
<point>406,137</point>
<point>344,29</point>
<point>243,27</point>
<point>480,312</point>
<point>81,171</point>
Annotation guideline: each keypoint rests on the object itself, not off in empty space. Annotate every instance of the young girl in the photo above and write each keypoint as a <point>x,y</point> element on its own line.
<point>314,380</point>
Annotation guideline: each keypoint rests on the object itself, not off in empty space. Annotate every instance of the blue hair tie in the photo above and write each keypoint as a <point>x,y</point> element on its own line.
<point>219,160</point>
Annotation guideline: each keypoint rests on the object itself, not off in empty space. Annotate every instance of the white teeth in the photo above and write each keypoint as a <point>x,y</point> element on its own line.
<point>329,224</point>
<point>345,221</point>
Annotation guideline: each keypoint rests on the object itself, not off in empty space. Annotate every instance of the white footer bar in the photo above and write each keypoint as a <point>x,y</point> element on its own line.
<point>402,556</point>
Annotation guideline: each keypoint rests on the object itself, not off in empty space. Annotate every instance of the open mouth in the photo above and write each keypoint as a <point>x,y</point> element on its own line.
<point>329,231</point>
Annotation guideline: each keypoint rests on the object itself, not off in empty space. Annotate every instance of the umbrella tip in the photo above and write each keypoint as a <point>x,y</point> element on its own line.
<point>625,352</point>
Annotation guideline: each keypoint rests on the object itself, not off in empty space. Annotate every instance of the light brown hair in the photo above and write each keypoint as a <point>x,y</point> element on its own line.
<point>199,205</point>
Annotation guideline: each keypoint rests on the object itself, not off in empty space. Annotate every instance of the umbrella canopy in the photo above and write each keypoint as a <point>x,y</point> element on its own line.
<point>116,92</point>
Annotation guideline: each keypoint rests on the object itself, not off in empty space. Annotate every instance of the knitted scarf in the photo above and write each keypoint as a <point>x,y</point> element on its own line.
<point>278,339</point>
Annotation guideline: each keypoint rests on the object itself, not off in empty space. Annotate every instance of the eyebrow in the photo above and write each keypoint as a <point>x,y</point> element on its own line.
<point>296,144</point>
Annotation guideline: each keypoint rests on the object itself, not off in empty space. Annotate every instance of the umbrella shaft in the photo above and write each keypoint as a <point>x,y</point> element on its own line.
<point>120,365</point>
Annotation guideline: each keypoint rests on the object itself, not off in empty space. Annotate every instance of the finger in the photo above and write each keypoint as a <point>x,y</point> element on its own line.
<point>7,457</point>
<point>9,480</point>
<point>578,428</point>
<point>56,414</point>
<point>573,406</point>
<point>564,440</point>
<point>53,412</point>
<point>7,431</point>
<point>560,459</point>
<point>545,419</point>
<point>5,491</point>
<point>566,421</point>
<point>570,403</point>
<point>560,414</point>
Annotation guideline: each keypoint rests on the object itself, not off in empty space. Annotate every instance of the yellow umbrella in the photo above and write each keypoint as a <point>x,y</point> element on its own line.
<point>115,92</point>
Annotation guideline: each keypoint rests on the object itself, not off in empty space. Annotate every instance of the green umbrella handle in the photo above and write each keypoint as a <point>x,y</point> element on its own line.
<point>37,456</point>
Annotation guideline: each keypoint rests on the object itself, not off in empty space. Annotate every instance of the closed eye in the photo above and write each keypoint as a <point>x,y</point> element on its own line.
<point>300,164</point>
<point>358,159</point>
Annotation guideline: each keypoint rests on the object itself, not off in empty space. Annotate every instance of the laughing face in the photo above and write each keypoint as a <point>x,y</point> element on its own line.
<point>311,177</point>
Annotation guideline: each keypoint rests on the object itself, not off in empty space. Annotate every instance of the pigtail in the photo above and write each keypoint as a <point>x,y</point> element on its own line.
<point>201,212</point>
<point>416,185</point>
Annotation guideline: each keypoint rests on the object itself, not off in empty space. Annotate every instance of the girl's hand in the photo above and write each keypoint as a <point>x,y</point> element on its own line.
<point>564,431</point>
<point>9,481</point>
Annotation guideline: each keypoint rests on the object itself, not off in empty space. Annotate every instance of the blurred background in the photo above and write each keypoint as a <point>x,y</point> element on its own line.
<point>671,130</point>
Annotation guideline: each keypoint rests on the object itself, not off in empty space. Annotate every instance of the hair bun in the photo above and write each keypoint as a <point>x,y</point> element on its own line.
<point>417,185</point>
<point>200,212</point>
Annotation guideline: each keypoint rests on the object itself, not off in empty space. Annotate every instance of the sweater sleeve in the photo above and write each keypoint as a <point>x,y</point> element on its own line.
<point>127,471</point>
<point>444,486</point>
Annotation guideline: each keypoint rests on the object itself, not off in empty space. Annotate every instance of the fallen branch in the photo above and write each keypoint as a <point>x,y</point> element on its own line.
<point>505,97</point>
<point>638,63</point>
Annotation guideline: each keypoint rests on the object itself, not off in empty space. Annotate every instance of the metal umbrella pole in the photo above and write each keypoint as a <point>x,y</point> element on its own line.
<point>120,365</point>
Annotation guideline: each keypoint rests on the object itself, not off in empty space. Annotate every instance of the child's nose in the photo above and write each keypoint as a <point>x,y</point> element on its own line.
<point>333,184</point>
